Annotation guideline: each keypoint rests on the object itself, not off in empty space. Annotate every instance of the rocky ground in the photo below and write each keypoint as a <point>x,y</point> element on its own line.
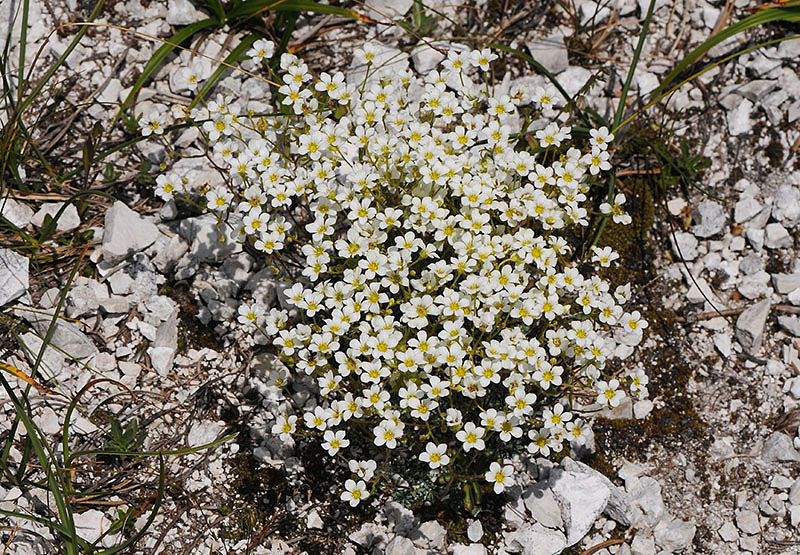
<point>708,464</point>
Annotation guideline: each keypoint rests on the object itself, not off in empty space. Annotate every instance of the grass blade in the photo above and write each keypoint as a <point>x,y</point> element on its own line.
<point>790,12</point>
<point>250,8</point>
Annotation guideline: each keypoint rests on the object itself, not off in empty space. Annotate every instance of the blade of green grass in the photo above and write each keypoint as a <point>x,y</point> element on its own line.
<point>790,12</point>
<point>250,8</point>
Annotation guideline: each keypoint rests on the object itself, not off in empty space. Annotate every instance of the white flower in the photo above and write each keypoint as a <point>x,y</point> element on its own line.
<point>152,123</point>
<point>500,476</point>
<point>334,441</point>
<point>471,437</point>
<point>435,455</point>
<point>262,50</point>
<point>354,492</point>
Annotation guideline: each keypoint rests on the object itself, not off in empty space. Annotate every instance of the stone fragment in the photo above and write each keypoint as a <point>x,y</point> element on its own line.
<point>182,12</point>
<point>313,520</point>
<point>52,360</point>
<point>91,525</point>
<point>755,236</point>
<point>785,283</point>
<point>17,213</point>
<point>794,515</point>
<point>641,410</point>
<point>400,545</point>
<point>542,504</point>
<point>794,388</point>
<point>426,59</point>
<point>747,522</point>
<point>674,535</point>
<point>722,341</point>
<point>794,297</point>
<point>68,219</point>
<point>755,285</point>
<point>728,532</point>
<point>387,9</point>
<point>778,448</point>
<point>430,534</point>
<point>710,219</point>
<point>786,205</point>
<point>643,545</point>
<point>535,539</point>
<point>780,482</point>
<point>684,245</point>
<point>370,535</point>
<point>751,264</point>
<point>791,324</point>
<point>751,544</point>
<point>645,494</point>
<point>750,326</point>
<point>471,549</point>
<point>551,52</point>
<point>619,507</point>
<point>399,517</point>
<point>209,240</point>
<point>13,276</point>
<point>794,493</point>
<point>777,237</point>
<point>739,121</point>
<point>746,209</point>
<point>126,233</point>
<point>582,498</point>
<point>475,531</point>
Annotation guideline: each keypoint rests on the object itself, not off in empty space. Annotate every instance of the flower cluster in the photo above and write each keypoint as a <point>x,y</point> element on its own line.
<point>436,299</point>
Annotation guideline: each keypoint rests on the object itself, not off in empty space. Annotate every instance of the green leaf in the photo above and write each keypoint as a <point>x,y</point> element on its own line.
<point>250,8</point>
<point>790,12</point>
<point>215,7</point>
<point>160,55</point>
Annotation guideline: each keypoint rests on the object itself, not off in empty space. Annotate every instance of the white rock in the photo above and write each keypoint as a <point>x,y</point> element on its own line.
<point>751,264</point>
<point>52,361</point>
<point>15,212</point>
<point>794,515</point>
<point>755,237</point>
<point>205,239</point>
<point>426,59</point>
<point>728,532</point>
<point>541,503</point>
<point>777,237</point>
<point>794,297</point>
<point>710,219</point>
<point>750,326</point>
<point>535,539</point>
<point>574,78</point>
<point>684,245</point>
<point>739,121</point>
<point>182,12</point>
<point>387,9</point>
<point>205,432</point>
<point>778,448</point>
<point>645,494</point>
<point>641,409</point>
<point>747,522</point>
<point>48,421</point>
<point>162,359</point>
<point>674,535</point>
<point>13,276</point>
<point>593,12</point>
<point>582,498</point>
<point>125,233</point>
<point>430,534</point>
<point>475,531</point>
<point>471,549</point>
<point>676,206</point>
<point>786,205</point>
<point>643,545</point>
<point>791,324</point>
<point>91,524</point>
<point>68,219</point>
<point>551,52</point>
<point>400,545</point>
<point>722,341</point>
<point>745,209</point>
<point>793,385</point>
<point>313,520</point>
<point>785,283</point>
